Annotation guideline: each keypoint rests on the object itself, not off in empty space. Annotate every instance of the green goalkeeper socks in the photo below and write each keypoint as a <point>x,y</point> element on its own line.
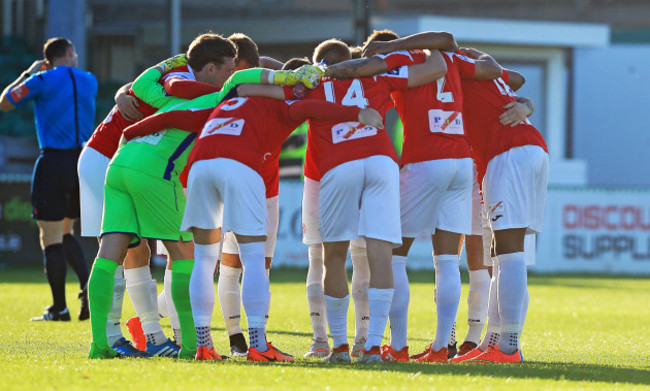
<point>100,295</point>
<point>181,272</point>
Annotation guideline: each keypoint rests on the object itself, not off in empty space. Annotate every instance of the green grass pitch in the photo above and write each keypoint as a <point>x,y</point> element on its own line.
<point>580,333</point>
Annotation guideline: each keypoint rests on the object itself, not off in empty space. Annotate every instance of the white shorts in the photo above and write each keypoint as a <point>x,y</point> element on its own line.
<point>514,189</point>
<point>436,194</point>
<point>310,228</point>
<point>273,215</point>
<point>228,194</point>
<point>478,212</point>
<point>91,168</point>
<point>360,198</point>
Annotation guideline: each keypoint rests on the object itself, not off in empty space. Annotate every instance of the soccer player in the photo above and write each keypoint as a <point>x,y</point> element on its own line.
<point>226,167</point>
<point>64,98</point>
<point>230,267</point>
<point>361,179</point>
<point>512,164</point>
<point>153,162</point>
<point>205,52</point>
<point>331,51</point>
<point>435,179</point>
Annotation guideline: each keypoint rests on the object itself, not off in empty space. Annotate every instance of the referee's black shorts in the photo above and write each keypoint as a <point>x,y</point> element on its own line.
<point>55,185</point>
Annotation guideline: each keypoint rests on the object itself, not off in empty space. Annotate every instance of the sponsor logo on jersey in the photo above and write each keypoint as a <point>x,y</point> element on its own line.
<point>229,126</point>
<point>448,122</point>
<point>19,92</point>
<point>347,131</point>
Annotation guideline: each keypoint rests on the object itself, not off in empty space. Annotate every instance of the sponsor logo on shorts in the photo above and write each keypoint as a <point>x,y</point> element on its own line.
<point>347,131</point>
<point>496,210</point>
<point>229,126</point>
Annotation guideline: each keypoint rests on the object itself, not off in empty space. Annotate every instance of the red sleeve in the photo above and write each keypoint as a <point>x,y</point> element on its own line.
<point>322,110</point>
<point>188,120</point>
<point>401,58</point>
<point>505,76</point>
<point>188,89</point>
<point>466,66</point>
<point>288,93</point>
<point>397,79</point>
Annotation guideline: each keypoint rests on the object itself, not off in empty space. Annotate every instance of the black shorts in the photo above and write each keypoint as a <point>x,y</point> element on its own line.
<point>55,185</point>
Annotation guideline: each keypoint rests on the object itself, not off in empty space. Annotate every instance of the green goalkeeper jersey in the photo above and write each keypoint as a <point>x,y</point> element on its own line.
<point>164,154</point>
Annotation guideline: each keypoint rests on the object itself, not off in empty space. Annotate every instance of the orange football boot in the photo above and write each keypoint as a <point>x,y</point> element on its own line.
<point>390,354</point>
<point>272,354</point>
<point>137,335</point>
<point>205,354</point>
<point>495,355</point>
<point>467,356</point>
<point>435,355</point>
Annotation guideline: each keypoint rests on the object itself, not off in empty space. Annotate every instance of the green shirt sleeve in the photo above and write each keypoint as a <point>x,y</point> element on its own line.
<point>147,88</point>
<point>246,76</point>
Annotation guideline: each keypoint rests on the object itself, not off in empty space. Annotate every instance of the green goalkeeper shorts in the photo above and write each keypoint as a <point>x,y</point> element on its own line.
<point>143,205</point>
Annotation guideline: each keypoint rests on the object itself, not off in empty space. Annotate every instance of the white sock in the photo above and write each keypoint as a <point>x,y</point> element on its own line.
<point>113,324</point>
<point>477,303</point>
<point>171,308</point>
<point>493,328</point>
<point>202,283</point>
<point>337,319</point>
<point>268,305</point>
<point>524,312</point>
<point>145,302</point>
<point>359,288</point>
<point>230,298</point>
<point>511,292</point>
<point>315,295</point>
<point>379,301</point>
<point>452,336</point>
<point>399,307</point>
<point>255,284</point>
<point>447,297</point>
<point>162,304</point>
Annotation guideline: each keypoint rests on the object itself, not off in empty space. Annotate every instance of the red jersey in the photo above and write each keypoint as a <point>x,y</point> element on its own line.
<point>487,137</point>
<point>335,142</point>
<point>106,137</point>
<point>432,114</point>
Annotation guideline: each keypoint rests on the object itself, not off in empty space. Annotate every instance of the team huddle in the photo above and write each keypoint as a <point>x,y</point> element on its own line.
<point>190,157</point>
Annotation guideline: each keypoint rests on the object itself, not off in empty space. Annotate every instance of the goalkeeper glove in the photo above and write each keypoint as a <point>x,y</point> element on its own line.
<point>309,75</point>
<point>173,62</point>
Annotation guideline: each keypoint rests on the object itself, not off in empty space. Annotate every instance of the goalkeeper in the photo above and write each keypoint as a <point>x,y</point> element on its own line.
<point>144,199</point>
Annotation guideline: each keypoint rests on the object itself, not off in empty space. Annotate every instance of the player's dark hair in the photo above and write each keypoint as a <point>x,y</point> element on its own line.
<point>56,48</point>
<point>295,63</point>
<point>209,48</point>
<point>381,35</point>
<point>246,49</point>
<point>332,51</point>
<point>355,52</point>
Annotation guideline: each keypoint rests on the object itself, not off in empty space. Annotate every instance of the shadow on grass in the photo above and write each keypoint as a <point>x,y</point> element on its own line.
<point>528,370</point>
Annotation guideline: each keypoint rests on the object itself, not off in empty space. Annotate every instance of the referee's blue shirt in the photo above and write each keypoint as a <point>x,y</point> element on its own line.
<point>64,105</point>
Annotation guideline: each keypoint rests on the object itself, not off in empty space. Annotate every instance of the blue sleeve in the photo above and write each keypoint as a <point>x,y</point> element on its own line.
<point>26,91</point>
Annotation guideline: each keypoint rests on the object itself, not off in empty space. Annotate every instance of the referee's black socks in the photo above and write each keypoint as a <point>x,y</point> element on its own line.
<point>74,253</point>
<point>55,269</point>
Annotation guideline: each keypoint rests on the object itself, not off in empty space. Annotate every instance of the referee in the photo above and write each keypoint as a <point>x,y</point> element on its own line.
<point>64,107</point>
